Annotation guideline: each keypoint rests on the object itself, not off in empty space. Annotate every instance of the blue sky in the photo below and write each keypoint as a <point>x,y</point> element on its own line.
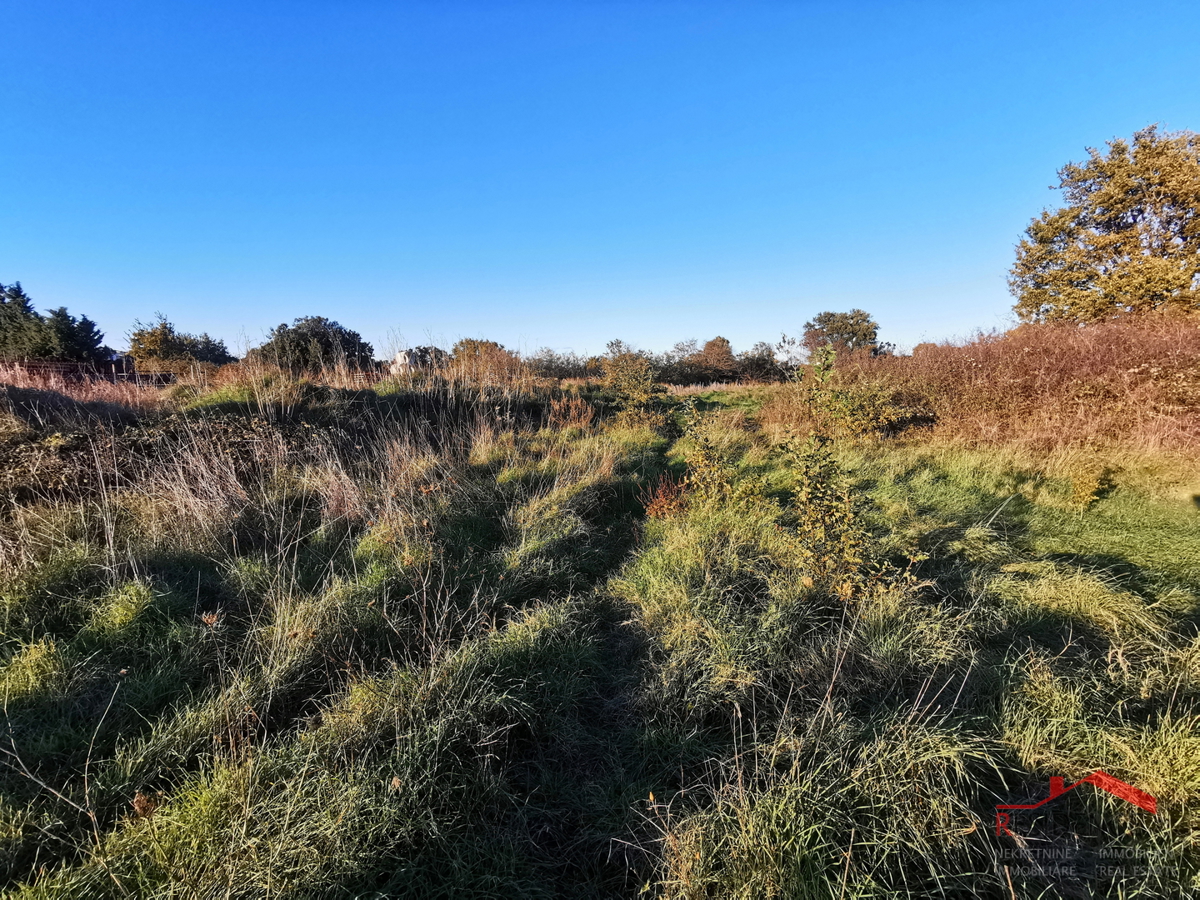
<point>556,174</point>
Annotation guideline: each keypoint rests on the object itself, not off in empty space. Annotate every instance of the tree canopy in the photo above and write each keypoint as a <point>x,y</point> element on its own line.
<point>759,363</point>
<point>1128,239</point>
<point>57,336</point>
<point>476,348</point>
<point>478,359</point>
<point>845,331</point>
<point>312,343</point>
<point>158,347</point>
<point>717,358</point>
<point>77,340</point>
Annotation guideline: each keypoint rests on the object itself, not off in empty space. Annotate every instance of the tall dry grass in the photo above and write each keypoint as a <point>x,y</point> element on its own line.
<point>499,371</point>
<point>1135,382</point>
<point>54,393</point>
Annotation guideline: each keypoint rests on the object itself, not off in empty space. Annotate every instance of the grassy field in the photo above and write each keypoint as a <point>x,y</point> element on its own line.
<point>281,638</point>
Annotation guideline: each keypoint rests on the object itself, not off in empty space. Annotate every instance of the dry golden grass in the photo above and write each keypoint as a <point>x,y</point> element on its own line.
<point>725,386</point>
<point>1134,382</point>
<point>86,390</point>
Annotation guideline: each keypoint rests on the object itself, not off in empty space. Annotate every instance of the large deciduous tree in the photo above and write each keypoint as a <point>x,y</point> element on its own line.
<point>848,331</point>
<point>718,360</point>
<point>1127,241</point>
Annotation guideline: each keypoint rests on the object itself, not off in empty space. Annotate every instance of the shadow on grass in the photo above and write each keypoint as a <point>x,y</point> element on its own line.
<point>40,408</point>
<point>572,779</point>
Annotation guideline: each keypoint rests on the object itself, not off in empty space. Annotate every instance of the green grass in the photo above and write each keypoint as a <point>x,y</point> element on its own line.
<point>421,645</point>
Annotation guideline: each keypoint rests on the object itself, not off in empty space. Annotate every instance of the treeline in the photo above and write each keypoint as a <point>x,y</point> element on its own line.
<point>689,363</point>
<point>686,363</point>
<point>1127,243</point>
<point>311,343</point>
<point>316,343</point>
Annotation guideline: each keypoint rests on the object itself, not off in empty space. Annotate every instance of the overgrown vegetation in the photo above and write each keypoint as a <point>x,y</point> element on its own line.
<point>1131,382</point>
<point>478,625</point>
<point>484,635</point>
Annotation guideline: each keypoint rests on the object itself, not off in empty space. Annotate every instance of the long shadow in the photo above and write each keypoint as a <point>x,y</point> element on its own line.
<point>40,408</point>
<point>122,680</point>
<point>89,721</point>
<point>574,770</point>
<point>575,764</point>
<point>1077,649</point>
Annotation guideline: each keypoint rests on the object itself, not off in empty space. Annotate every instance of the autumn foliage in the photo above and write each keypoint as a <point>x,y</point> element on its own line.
<point>1134,381</point>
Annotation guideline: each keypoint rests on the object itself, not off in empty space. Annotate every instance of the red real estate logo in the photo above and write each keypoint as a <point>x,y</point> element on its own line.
<point>1102,780</point>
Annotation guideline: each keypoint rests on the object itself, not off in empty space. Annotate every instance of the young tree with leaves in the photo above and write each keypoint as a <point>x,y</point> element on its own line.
<point>629,377</point>
<point>1128,240</point>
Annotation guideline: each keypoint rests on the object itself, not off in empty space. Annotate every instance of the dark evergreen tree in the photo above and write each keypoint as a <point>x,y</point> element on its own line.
<point>75,340</point>
<point>23,335</point>
<point>313,342</point>
<point>58,336</point>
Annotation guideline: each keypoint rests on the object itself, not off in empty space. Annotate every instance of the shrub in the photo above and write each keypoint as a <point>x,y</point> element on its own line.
<point>629,380</point>
<point>1135,382</point>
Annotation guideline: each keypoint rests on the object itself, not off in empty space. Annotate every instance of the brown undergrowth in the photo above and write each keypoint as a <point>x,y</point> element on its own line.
<point>1134,382</point>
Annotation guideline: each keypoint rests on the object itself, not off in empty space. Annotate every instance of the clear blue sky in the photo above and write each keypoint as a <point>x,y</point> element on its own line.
<point>556,174</point>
